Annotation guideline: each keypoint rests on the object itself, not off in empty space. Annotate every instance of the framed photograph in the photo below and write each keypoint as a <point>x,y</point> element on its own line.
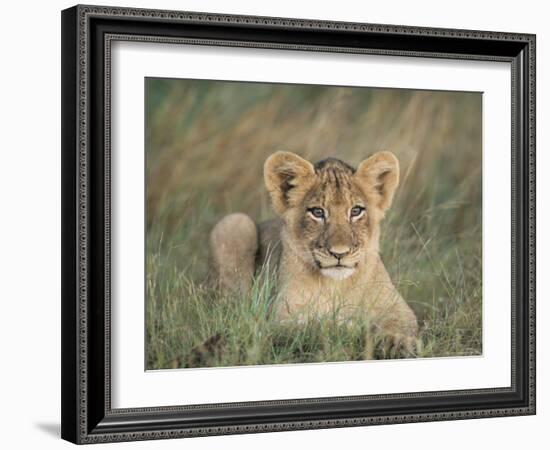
<point>278,224</point>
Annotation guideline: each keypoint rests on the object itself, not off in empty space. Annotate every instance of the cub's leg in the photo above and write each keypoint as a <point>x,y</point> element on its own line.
<point>394,327</point>
<point>400,331</point>
<point>233,246</point>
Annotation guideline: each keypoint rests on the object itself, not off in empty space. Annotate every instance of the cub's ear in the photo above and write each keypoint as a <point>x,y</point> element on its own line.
<point>287,178</point>
<point>380,174</point>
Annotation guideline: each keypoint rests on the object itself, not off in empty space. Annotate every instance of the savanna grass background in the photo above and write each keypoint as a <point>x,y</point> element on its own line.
<point>206,142</point>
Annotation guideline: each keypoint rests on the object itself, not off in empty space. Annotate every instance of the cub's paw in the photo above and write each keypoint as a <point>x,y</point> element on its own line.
<point>398,346</point>
<point>206,354</point>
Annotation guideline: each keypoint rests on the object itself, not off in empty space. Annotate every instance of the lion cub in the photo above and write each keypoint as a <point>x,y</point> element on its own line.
<point>324,243</point>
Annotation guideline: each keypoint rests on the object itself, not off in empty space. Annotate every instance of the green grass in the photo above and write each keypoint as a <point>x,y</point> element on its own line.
<point>206,144</point>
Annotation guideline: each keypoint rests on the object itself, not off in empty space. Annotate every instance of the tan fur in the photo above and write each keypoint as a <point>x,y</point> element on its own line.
<point>324,265</point>
<point>234,243</point>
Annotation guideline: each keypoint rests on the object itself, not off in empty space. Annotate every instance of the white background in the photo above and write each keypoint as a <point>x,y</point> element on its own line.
<point>30,234</point>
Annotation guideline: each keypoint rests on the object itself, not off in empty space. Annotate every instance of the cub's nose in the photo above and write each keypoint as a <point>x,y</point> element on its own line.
<point>339,251</point>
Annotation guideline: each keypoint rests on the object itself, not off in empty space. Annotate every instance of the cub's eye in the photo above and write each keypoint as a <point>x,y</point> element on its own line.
<point>317,213</point>
<point>356,211</point>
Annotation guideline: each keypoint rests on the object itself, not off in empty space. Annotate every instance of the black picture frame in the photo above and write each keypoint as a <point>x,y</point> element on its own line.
<point>87,32</point>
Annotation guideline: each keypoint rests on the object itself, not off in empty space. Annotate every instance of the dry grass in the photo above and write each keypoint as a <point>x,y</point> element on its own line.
<point>206,145</point>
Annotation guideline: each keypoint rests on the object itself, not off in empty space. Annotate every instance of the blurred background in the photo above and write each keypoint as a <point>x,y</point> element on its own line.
<point>206,142</point>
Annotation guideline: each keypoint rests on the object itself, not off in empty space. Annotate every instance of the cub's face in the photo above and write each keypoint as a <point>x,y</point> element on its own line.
<point>332,211</point>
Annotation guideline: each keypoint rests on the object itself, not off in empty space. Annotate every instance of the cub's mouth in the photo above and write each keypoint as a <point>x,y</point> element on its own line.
<point>337,272</point>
